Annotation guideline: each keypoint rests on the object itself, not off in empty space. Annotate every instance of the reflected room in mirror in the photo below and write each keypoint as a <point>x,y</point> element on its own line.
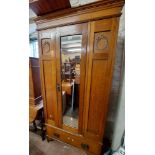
<point>70,75</point>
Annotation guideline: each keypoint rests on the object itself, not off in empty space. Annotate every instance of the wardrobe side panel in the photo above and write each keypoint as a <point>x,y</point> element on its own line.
<point>49,78</point>
<point>100,67</point>
<point>96,105</point>
<point>48,74</point>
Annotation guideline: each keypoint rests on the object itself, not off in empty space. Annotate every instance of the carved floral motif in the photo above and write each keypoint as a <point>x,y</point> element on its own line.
<point>46,47</point>
<point>101,41</point>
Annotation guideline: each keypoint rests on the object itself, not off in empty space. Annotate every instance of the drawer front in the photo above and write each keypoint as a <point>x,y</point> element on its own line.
<point>75,140</point>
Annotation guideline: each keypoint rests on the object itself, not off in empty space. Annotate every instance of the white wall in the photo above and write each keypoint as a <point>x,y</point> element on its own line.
<point>119,125</point>
<point>120,118</point>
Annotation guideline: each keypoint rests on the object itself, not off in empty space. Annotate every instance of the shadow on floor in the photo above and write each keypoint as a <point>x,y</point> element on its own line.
<point>39,147</point>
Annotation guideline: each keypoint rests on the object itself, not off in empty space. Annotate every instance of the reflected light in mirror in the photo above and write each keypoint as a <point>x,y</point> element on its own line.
<point>74,49</point>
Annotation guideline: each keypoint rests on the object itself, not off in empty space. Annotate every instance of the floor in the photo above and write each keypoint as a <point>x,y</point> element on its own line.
<point>39,147</point>
<point>70,121</point>
<point>70,118</point>
<point>72,113</point>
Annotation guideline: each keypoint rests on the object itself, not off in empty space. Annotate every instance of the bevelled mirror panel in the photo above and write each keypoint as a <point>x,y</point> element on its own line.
<point>70,75</point>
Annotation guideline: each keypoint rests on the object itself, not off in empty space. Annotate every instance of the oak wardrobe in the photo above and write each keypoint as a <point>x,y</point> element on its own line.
<point>77,54</point>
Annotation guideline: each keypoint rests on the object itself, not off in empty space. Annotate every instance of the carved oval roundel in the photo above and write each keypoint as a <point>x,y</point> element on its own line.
<point>101,41</point>
<point>46,47</point>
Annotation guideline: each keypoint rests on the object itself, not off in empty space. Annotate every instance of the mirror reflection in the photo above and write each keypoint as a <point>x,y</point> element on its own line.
<point>70,75</point>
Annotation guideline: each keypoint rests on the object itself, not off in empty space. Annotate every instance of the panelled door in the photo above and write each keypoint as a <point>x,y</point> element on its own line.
<point>47,54</point>
<point>100,60</point>
<point>71,44</point>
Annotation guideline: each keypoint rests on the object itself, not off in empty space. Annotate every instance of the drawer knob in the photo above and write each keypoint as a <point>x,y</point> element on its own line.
<point>56,135</point>
<point>85,146</point>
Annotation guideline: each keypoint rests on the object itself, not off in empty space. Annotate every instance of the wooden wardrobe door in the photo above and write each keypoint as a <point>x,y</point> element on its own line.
<point>48,74</point>
<point>78,29</point>
<point>100,60</point>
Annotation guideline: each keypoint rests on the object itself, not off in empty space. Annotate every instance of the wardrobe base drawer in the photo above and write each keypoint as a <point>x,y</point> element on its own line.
<point>73,139</point>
